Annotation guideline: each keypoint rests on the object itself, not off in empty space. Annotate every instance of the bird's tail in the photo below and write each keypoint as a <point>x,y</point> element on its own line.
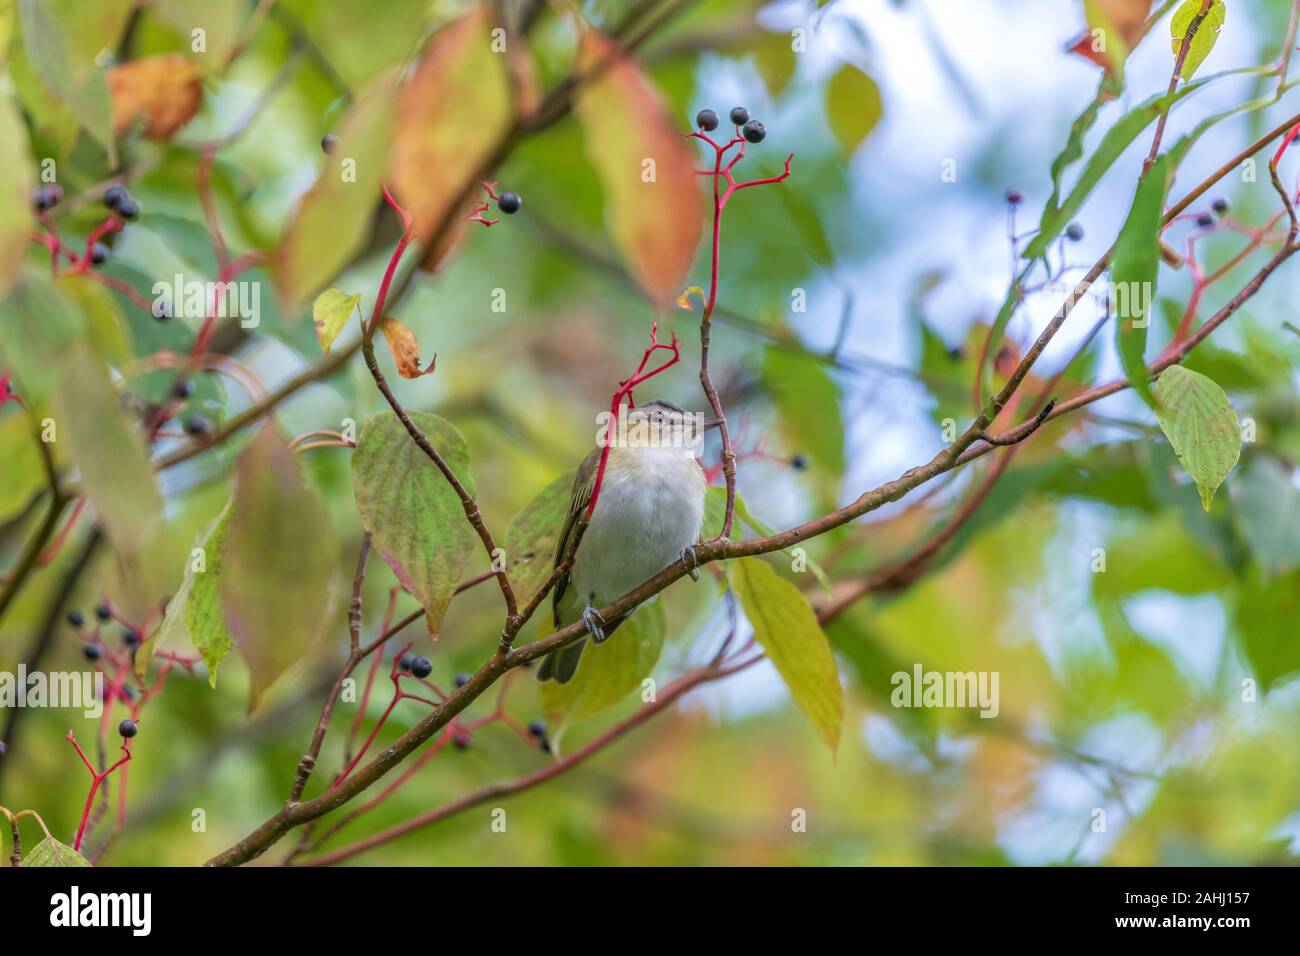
<point>562,663</point>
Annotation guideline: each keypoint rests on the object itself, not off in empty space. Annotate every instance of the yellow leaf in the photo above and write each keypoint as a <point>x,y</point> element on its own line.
<point>330,313</point>
<point>787,629</point>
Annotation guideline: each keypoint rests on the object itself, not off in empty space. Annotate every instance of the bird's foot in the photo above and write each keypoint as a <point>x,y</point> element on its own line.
<point>692,565</point>
<point>595,624</point>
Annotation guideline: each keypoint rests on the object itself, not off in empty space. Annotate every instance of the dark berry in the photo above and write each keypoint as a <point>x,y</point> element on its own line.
<point>404,663</point>
<point>103,612</point>
<point>183,389</point>
<point>199,426</point>
<point>128,728</point>
<point>114,195</point>
<point>128,208</point>
<point>1220,206</point>
<point>706,120</point>
<point>739,116</point>
<point>421,667</point>
<point>76,618</point>
<point>99,254</point>
<point>328,143</point>
<point>510,203</point>
<point>1014,197</point>
<point>462,680</point>
<point>91,652</point>
<point>131,637</point>
<point>754,131</point>
<point>537,729</point>
<point>1205,220</point>
<point>460,741</point>
<point>799,462</point>
<point>47,197</point>
<point>1074,232</point>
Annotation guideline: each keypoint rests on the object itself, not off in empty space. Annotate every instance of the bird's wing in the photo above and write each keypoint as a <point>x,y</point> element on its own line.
<point>583,484</point>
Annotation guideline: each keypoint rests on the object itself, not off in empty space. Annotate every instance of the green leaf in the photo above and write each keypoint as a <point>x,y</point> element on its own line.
<point>50,852</point>
<point>109,452</point>
<point>655,220</point>
<point>220,21</point>
<point>715,513</point>
<point>333,218</point>
<point>66,67</point>
<point>330,313</point>
<point>787,629</point>
<point>607,672</point>
<point>533,536</point>
<point>1202,427</point>
<point>415,518</point>
<point>22,473</point>
<point>276,577</point>
<point>195,610</point>
<point>808,405</point>
<point>1267,508</point>
<point>1207,34</point>
<point>1266,616</point>
<point>1134,272</point>
<point>1117,139</point>
<point>812,234</point>
<point>853,105</point>
<point>775,59</point>
<point>15,193</point>
<point>762,528</point>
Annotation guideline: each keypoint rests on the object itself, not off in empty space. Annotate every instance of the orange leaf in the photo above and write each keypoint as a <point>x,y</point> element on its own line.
<point>450,116</point>
<point>646,168</point>
<point>1114,29</point>
<point>162,91</point>
<point>405,349</point>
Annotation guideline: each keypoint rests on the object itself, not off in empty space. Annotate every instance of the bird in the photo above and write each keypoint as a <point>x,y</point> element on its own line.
<point>648,515</point>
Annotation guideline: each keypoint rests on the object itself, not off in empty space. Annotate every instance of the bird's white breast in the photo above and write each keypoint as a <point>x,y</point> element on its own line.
<point>650,509</point>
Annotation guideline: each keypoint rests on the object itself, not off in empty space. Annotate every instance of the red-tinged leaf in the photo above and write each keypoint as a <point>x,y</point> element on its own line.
<point>333,218</point>
<point>652,198</point>
<point>161,93</point>
<point>405,349</point>
<point>415,518</point>
<point>450,116</point>
<point>1114,29</point>
<point>15,193</point>
<point>277,566</point>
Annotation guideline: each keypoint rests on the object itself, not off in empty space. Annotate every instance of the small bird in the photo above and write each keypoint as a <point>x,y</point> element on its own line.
<point>648,514</point>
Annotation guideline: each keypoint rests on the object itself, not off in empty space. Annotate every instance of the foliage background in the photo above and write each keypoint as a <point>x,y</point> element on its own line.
<point>1119,690</point>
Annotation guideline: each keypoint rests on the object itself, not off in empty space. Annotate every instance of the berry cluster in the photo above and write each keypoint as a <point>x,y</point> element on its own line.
<point>753,130</point>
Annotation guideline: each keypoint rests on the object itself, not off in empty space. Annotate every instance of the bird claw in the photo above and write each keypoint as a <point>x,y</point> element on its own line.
<point>595,624</point>
<point>692,565</point>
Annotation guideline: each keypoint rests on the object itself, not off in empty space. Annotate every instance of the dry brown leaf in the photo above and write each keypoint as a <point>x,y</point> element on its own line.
<point>162,91</point>
<point>405,348</point>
